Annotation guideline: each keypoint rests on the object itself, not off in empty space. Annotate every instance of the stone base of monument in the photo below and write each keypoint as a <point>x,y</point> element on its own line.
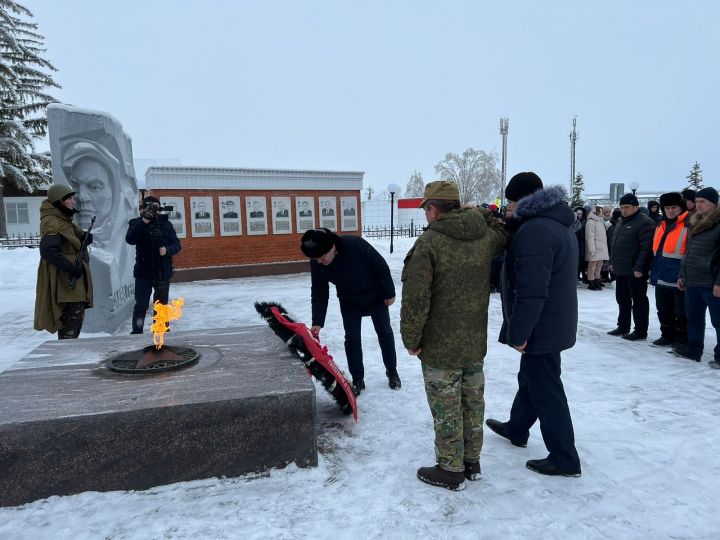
<point>69,424</point>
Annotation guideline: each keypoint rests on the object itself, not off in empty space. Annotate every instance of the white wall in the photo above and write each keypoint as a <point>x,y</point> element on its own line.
<point>25,229</point>
<point>376,213</point>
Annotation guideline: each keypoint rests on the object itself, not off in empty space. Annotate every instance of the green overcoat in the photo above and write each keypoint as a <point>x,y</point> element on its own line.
<point>446,288</point>
<point>53,285</point>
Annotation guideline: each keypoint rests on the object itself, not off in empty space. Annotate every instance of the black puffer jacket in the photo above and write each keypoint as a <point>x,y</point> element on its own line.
<point>360,275</point>
<point>539,278</point>
<point>632,245</point>
<point>148,238</point>
<point>701,265</point>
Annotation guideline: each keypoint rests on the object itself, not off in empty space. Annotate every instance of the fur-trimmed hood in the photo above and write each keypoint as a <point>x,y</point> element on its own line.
<point>548,202</point>
<point>699,224</point>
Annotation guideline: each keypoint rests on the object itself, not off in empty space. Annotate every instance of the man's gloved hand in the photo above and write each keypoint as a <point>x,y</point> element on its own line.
<point>77,270</point>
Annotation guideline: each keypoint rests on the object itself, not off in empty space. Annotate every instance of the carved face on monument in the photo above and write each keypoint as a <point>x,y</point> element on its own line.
<point>94,192</point>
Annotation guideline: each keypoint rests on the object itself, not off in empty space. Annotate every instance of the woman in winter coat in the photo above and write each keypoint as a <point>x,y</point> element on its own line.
<point>64,287</point>
<point>596,247</point>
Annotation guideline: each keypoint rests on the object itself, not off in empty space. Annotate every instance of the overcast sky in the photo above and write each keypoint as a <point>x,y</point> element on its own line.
<point>391,87</point>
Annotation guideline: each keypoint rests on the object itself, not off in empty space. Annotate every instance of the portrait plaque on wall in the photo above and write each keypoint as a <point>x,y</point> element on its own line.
<point>281,215</point>
<point>201,216</point>
<point>305,213</point>
<point>256,213</point>
<point>349,213</point>
<point>230,215</point>
<point>328,212</point>
<point>176,216</point>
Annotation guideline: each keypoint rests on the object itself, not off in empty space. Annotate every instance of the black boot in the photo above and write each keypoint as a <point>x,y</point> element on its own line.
<point>592,286</point>
<point>437,476</point>
<point>662,341</point>
<point>501,429</point>
<point>635,336</point>
<point>544,466</point>
<point>138,321</point>
<point>393,380</point>
<point>358,387</point>
<point>472,470</point>
<point>599,284</point>
<point>618,332</point>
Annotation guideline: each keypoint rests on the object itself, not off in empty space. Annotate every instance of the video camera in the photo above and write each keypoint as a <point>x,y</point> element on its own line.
<point>152,209</point>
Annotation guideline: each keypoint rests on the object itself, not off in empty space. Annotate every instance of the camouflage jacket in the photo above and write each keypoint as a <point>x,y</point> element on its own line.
<point>446,288</point>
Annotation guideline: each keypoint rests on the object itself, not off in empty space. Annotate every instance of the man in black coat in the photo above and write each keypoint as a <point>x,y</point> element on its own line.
<point>364,288</point>
<point>631,257</point>
<point>540,314</point>
<point>155,244</point>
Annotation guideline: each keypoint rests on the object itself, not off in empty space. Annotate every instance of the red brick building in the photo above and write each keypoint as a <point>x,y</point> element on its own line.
<point>240,222</point>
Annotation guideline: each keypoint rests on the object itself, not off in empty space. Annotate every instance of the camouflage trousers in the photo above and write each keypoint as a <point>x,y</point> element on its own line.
<point>71,320</point>
<point>457,404</point>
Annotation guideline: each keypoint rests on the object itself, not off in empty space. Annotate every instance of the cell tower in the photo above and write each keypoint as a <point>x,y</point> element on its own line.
<point>504,124</point>
<point>573,140</point>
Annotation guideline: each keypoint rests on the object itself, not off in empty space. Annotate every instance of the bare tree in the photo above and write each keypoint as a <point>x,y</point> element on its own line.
<point>415,186</point>
<point>475,172</point>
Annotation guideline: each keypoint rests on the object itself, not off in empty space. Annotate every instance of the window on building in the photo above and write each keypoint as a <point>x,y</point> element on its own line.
<point>16,212</point>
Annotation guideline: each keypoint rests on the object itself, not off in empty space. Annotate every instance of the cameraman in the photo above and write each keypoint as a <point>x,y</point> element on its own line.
<point>155,244</point>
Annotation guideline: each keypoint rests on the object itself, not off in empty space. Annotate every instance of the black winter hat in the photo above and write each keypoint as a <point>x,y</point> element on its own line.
<point>688,194</point>
<point>317,242</point>
<point>672,199</point>
<point>150,199</point>
<point>653,204</point>
<point>629,198</point>
<point>521,185</point>
<point>709,194</point>
<point>617,214</point>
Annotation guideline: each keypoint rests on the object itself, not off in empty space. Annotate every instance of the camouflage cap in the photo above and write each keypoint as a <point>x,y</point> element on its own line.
<point>440,190</point>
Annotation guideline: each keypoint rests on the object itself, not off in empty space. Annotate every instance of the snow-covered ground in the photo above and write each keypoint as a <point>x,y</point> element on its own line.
<point>646,424</point>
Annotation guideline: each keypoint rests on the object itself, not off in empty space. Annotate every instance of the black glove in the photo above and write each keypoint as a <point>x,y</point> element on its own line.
<point>87,238</point>
<point>77,270</point>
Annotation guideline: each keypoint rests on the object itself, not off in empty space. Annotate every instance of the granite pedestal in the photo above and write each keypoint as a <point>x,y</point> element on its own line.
<point>68,424</point>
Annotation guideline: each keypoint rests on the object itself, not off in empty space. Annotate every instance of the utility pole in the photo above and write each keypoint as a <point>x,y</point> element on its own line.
<point>573,139</point>
<point>504,124</point>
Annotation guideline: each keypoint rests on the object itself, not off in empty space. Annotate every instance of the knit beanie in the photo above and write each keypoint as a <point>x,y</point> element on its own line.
<point>629,198</point>
<point>709,194</point>
<point>521,185</point>
<point>688,194</point>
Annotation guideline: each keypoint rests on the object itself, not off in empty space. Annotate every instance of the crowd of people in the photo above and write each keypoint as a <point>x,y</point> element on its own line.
<point>533,252</point>
<point>674,245</point>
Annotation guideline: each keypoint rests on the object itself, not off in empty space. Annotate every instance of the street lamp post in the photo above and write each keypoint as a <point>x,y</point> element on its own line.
<point>634,186</point>
<point>393,189</point>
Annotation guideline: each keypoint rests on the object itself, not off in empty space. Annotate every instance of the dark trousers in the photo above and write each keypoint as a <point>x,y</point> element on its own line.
<point>631,296</point>
<point>697,300</point>
<point>143,288</point>
<point>496,272</point>
<point>670,303</point>
<point>71,320</point>
<point>352,322</point>
<point>541,396</point>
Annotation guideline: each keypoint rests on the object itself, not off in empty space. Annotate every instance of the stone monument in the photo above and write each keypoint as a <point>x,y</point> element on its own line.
<point>92,154</point>
<point>69,423</point>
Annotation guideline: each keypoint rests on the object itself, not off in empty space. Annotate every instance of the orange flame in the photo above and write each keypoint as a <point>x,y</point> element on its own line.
<point>164,313</point>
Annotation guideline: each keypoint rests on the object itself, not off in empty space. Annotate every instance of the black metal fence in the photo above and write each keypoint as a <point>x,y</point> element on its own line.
<point>20,241</point>
<point>407,231</point>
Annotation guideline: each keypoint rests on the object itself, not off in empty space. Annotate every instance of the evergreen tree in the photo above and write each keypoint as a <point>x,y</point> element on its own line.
<point>23,102</point>
<point>695,177</point>
<point>415,186</point>
<point>577,190</point>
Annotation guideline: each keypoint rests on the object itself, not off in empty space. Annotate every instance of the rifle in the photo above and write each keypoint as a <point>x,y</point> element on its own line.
<point>83,247</point>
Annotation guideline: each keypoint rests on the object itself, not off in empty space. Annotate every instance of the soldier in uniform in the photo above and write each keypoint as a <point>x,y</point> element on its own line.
<point>443,321</point>
<point>60,306</point>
